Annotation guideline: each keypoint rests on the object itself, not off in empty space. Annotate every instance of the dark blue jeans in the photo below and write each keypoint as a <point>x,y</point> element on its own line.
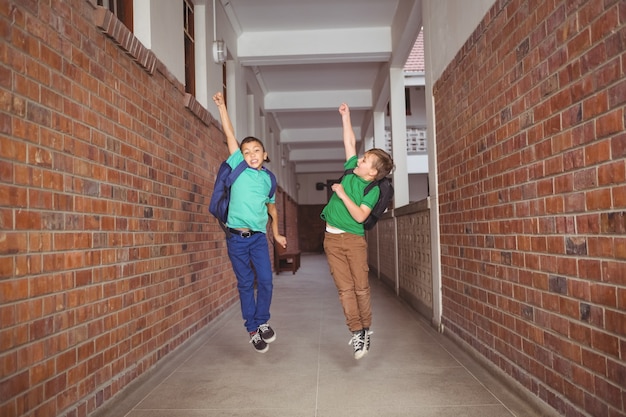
<point>250,257</point>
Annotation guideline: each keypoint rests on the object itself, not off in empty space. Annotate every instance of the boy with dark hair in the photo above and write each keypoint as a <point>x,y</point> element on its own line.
<point>248,212</point>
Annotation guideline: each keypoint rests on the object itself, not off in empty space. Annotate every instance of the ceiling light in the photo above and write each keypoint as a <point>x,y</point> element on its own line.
<point>219,47</point>
<point>219,52</point>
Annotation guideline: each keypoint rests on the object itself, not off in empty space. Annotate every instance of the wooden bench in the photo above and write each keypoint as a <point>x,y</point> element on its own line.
<point>286,259</point>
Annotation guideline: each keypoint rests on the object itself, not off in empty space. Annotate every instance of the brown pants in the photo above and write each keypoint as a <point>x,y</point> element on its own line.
<point>347,258</point>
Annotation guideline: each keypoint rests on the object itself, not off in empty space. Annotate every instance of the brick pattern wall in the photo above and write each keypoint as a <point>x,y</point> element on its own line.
<point>532,189</point>
<point>109,259</point>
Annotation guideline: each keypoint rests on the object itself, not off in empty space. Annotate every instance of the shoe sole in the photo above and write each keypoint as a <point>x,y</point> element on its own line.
<point>360,355</point>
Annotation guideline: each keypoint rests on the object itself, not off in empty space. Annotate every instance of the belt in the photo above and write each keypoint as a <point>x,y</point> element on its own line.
<point>243,233</point>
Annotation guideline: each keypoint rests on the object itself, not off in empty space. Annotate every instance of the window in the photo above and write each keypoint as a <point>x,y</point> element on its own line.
<point>190,71</point>
<point>122,9</point>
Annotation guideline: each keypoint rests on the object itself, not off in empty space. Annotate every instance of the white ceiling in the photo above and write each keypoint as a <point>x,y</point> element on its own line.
<point>309,56</point>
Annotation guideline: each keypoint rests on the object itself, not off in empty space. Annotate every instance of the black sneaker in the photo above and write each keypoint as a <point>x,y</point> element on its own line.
<point>267,333</point>
<point>258,342</point>
<point>367,339</point>
<point>358,344</point>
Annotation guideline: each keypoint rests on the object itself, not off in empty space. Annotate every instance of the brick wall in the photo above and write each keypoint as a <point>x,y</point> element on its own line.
<point>531,159</point>
<point>109,259</point>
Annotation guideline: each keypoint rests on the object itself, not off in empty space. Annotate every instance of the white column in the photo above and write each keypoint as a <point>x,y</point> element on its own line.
<point>251,122</point>
<point>379,130</point>
<point>435,239</point>
<point>398,137</point>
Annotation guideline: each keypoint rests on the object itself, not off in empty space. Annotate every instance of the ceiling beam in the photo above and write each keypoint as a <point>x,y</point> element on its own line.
<point>321,46</point>
<point>314,168</point>
<point>322,154</point>
<point>317,100</point>
<point>327,134</point>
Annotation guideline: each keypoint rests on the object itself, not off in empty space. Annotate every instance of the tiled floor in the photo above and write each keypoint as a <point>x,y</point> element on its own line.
<point>309,370</point>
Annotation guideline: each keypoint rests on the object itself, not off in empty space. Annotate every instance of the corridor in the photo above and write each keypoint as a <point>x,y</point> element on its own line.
<point>309,371</point>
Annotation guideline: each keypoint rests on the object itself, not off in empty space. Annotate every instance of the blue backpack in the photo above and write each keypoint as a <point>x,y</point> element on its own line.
<point>220,199</point>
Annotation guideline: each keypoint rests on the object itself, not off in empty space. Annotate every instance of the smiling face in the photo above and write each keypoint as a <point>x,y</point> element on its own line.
<point>253,153</point>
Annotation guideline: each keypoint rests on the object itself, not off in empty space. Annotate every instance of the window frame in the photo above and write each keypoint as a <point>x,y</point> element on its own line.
<point>189,41</point>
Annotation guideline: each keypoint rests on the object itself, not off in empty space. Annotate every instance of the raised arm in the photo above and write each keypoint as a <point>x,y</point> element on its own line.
<point>349,140</point>
<point>231,141</point>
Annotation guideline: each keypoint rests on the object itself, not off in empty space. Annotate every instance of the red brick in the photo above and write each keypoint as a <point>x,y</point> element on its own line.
<point>7,266</point>
<point>617,95</point>
<point>619,197</point>
<point>608,393</point>
<point>578,44</point>
<point>616,372</point>
<point>16,384</point>
<point>615,322</point>
<point>42,371</point>
<point>610,123</point>
<point>589,269</point>
<point>604,295</point>
<point>612,173</point>
<point>599,199</point>
<point>618,146</point>
<point>13,290</point>
<point>595,105</point>
<point>597,152</point>
<point>613,272</point>
<point>605,342</point>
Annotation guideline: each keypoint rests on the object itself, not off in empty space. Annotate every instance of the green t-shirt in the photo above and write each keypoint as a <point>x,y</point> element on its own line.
<point>336,213</point>
<point>248,197</point>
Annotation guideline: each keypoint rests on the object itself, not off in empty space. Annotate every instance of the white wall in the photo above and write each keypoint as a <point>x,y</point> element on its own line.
<point>162,33</point>
<point>450,23</point>
<point>307,194</point>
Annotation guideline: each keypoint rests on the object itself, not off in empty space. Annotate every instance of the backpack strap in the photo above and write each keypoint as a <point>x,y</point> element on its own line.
<point>273,180</point>
<point>236,172</point>
<point>369,186</point>
<point>346,172</point>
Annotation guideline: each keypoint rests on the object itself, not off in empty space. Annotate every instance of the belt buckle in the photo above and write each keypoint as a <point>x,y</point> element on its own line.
<point>246,234</point>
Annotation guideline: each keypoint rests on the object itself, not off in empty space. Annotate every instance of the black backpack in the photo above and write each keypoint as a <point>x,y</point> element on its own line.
<point>385,196</point>
<point>220,199</point>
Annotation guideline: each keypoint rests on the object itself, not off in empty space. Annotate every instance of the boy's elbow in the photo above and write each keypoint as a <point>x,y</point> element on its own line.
<point>360,218</point>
